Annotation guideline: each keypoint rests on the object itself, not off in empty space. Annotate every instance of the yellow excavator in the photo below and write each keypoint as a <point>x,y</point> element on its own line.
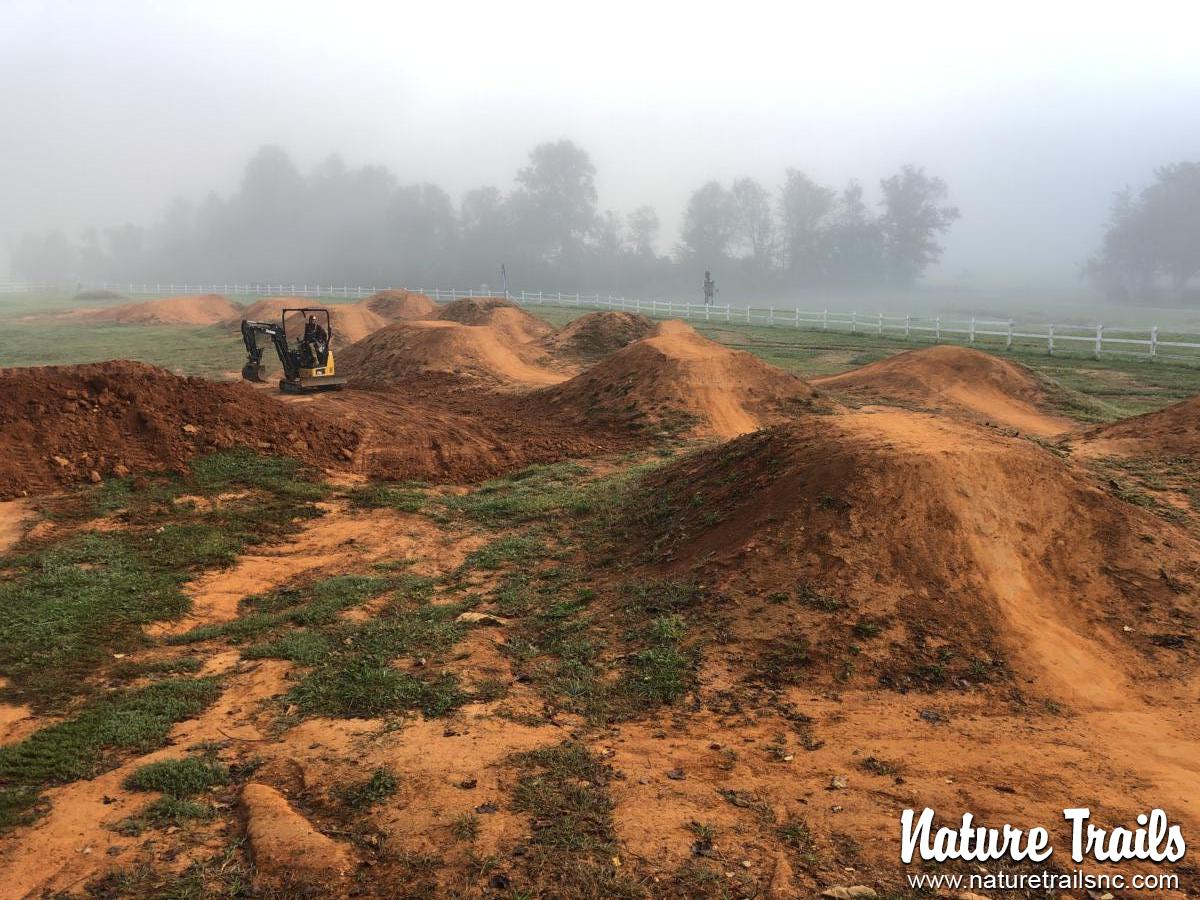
<point>307,359</point>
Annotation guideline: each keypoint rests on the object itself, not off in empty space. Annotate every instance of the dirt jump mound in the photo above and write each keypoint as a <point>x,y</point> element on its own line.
<point>1171,431</point>
<point>954,379</point>
<point>945,553</point>
<point>677,381</point>
<point>350,321</point>
<point>504,316</point>
<point>208,309</point>
<point>66,424</point>
<point>409,351</point>
<point>397,306</point>
<point>597,335</point>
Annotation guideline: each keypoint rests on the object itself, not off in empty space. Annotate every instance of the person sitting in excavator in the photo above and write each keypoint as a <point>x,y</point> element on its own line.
<point>315,341</point>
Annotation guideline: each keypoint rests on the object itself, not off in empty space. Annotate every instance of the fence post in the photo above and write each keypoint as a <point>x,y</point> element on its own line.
<point>853,321</point>
<point>879,325</point>
<point>770,315</point>
<point>907,327</point>
<point>1154,342</point>
<point>728,312</point>
<point>707,307</point>
<point>825,320</point>
<point>747,313</point>
<point>1050,340</point>
<point>1008,340</point>
<point>972,340</point>
<point>1099,339</point>
<point>797,312</point>
<point>937,329</point>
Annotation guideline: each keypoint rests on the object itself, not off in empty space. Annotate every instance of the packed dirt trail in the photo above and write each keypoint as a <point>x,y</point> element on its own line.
<point>209,309</point>
<point>954,379</point>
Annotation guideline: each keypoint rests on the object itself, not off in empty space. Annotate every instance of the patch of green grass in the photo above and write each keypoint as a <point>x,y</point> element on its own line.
<point>465,827</point>
<point>128,670</point>
<point>565,789</point>
<point>363,687</point>
<point>361,794</point>
<point>178,777</point>
<point>505,551</point>
<point>381,495</point>
<point>316,604</point>
<point>95,739</point>
<point>165,812</point>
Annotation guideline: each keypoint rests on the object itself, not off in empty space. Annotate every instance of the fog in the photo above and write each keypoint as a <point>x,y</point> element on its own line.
<point>1032,114</point>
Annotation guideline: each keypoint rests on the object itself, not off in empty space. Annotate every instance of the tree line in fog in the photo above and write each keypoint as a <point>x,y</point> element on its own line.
<point>362,226</point>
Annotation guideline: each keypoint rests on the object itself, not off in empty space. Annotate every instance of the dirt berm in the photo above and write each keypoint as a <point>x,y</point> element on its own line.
<point>409,351</point>
<point>944,553</point>
<point>65,424</point>
<point>597,335</point>
<point>509,321</point>
<point>397,305</point>
<point>208,309</point>
<point>1171,431</point>
<point>678,381</point>
<point>953,379</point>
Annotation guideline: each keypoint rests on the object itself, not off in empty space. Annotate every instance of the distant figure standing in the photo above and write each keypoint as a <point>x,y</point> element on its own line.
<point>710,288</point>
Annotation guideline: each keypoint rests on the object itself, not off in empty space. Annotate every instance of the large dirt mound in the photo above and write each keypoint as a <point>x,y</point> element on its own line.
<point>408,351</point>
<point>597,335</point>
<point>61,424</point>
<point>678,381</point>
<point>208,309</point>
<point>1172,431</point>
<point>350,321</point>
<point>396,305</point>
<point>958,379</point>
<point>503,315</point>
<point>937,548</point>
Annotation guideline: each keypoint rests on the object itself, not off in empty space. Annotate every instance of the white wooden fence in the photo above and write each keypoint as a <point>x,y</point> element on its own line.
<point>1097,339</point>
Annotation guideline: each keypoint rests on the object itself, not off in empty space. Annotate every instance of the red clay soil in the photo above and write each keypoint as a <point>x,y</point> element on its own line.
<point>953,379</point>
<point>597,335</point>
<point>409,351</point>
<point>1172,431</point>
<point>435,429</point>
<point>678,381</point>
<point>350,321</point>
<point>397,306</point>
<point>958,545</point>
<point>65,424</point>
<point>509,320</point>
<point>208,309</point>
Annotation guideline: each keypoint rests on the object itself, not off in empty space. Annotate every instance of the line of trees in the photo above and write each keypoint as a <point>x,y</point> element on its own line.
<point>1151,246</point>
<point>363,226</point>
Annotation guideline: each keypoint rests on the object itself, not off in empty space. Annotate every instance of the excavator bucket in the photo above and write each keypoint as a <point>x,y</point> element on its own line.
<point>253,372</point>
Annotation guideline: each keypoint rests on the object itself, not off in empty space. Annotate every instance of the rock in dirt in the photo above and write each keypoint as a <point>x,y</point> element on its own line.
<point>478,618</point>
<point>284,845</point>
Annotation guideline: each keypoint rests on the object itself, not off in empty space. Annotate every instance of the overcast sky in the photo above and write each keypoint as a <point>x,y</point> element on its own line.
<point>1033,112</point>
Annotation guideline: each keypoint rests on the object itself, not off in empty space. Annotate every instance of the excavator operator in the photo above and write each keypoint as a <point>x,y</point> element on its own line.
<point>315,341</point>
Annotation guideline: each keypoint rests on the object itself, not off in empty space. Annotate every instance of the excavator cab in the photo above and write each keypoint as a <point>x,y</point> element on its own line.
<point>306,354</point>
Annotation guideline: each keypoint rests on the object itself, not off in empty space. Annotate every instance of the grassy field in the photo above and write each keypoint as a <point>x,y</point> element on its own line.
<point>1085,388</point>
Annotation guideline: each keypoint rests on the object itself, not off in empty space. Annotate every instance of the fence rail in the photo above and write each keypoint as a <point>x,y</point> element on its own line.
<point>1097,339</point>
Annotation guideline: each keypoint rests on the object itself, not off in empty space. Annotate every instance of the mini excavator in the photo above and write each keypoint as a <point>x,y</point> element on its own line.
<point>307,360</point>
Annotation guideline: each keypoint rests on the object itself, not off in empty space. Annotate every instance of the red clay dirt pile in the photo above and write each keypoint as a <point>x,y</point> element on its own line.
<point>65,424</point>
<point>208,309</point>
<point>398,306</point>
<point>678,381</point>
<point>350,321</point>
<point>953,379</point>
<point>508,320</point>
<point>1171,431</point>
<point>597,335</point>
<point>409,351</point>
<point>939,548</point>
